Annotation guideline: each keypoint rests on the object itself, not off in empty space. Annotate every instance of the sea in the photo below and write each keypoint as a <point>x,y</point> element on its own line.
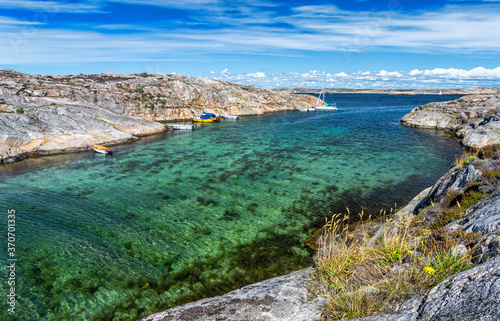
<point>187,215</point>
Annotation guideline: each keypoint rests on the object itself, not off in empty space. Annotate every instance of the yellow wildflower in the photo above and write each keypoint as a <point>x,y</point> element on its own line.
<point>429,270</point>
<point>411,252</point>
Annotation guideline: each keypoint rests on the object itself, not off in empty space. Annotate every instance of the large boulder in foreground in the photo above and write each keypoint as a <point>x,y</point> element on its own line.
<point>278,299</point>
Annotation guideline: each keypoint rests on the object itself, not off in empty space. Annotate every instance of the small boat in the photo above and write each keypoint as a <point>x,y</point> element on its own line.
<point>206,118</point>
<point>212,116</point>
<point>102,149</point>
<point>202,119</point>
<point>182,127</point>
<point>321,104</point>
<point>307,109</point>
<point>326,106</point>
<point>235,117</point>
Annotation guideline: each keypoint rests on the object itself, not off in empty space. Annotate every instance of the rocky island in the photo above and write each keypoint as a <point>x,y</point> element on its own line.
<point>474,119</point>
<point>43,114</point>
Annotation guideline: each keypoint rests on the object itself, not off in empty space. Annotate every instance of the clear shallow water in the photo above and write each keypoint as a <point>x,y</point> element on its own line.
<point>197,214</point>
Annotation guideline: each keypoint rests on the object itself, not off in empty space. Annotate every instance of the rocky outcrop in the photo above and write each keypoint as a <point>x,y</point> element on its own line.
<point>482,218</point>
<point>474,118</point>
<point>50,128</point>
<point>53,114</point>
<point>153,97</point>
<point>283,298</point>
<point>454,181</point>
<point>487,247</point>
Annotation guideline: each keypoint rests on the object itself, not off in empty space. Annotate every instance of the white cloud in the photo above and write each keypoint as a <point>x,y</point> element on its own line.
<point>92,6</point>
<point>256,75</point>
<point>6,21</point>
<point>435,78</point>
<point>452,73</point>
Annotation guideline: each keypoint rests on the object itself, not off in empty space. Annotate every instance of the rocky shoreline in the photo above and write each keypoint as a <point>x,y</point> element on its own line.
<point>474,119</point>
<point>44,114</point>
<point>470,295</point>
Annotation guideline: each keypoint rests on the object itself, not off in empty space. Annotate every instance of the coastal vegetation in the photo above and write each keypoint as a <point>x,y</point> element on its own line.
<point>361,280</point>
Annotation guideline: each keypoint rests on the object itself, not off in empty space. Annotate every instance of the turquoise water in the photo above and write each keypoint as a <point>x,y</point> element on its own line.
<point>182,216</point>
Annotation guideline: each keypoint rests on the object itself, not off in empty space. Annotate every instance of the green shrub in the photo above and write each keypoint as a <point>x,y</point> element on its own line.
<point>20,111</point>
<point>488,151</point>
<point>492,174</point>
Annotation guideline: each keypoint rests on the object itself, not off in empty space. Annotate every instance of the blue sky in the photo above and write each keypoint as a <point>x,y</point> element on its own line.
<point>347,44</point>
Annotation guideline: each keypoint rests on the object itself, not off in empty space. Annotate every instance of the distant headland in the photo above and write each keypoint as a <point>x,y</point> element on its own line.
<point>448,91</point>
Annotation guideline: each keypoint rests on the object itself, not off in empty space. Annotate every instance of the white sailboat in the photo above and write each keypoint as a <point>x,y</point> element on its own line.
<point>321,104</point>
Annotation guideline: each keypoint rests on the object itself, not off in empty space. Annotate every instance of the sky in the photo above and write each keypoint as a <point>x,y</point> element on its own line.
<point>400,44</point>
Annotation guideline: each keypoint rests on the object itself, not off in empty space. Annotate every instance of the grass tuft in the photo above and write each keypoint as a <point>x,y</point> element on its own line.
<point>464,159</point>
<point>361,281</point>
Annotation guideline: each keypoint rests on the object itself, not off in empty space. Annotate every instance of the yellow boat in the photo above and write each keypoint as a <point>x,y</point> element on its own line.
<point>202,119</point>
<point>206,118</point>
<point>102,149</point>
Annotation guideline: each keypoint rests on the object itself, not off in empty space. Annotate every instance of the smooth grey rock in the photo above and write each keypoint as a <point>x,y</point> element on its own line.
<point>282,298</point>
<point>64,128</point>
<point>483,217</point>
<point>468,296</point>
<point>453,181</point>
<point>459,250</point>
<point>481,136</point>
